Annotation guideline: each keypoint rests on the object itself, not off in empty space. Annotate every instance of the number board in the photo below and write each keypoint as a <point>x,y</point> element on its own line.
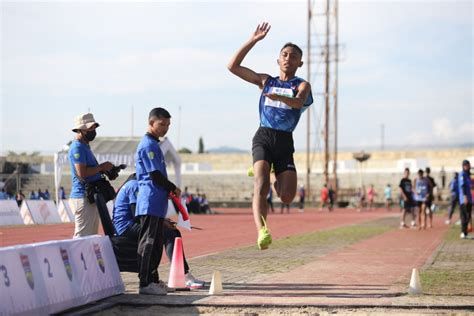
<point>52,276</point>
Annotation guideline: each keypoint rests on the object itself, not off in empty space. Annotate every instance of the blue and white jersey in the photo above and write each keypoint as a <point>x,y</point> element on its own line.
<point>123,217</point>
<point>276,114</point>
<point>152,199</point>
<point>80,153</point>
<point>421,189</point>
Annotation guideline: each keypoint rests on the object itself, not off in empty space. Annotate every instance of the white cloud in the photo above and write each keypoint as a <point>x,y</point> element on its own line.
<point>443,131</point>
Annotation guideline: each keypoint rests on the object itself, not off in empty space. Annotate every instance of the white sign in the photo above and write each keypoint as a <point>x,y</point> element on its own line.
<point>64,211</point>
<point>39,212</point>
<point>49,277</point>
<point>10,213</point>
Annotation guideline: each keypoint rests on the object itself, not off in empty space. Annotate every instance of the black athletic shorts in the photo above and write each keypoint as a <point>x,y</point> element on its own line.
<point>408,205</point>
<point>275,147</point>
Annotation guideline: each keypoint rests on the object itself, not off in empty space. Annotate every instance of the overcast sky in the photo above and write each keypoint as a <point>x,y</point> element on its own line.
<point>405,64</point>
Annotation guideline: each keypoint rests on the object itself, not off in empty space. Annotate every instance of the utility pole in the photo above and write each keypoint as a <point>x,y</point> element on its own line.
<point>323,29</point>
<point>327,96</point>
<point>336,70</point>
<point>308,111</point>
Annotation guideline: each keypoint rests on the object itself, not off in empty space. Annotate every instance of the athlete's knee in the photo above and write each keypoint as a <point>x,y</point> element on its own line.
<point>287,197</point>
<point>261,186</point>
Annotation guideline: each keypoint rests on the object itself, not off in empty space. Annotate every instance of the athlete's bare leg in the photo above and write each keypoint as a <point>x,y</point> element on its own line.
<point>286,186</point>
<point>261,185</point>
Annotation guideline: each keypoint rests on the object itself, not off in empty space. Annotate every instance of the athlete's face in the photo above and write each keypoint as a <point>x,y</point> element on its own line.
<point>407,173</point>
<point>159,126</point>
<point>289,60</point>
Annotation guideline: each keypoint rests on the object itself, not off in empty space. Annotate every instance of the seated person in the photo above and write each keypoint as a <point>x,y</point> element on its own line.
<point>128,228</point>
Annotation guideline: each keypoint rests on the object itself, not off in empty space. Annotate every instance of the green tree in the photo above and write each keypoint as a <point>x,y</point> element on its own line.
<point>201,146</point>
<point>185,150</point>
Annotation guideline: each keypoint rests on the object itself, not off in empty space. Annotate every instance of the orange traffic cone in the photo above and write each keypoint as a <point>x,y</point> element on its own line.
<point>176,279</point>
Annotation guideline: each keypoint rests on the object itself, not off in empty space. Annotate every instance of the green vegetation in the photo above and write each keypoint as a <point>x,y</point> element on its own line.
<point>452,270</point>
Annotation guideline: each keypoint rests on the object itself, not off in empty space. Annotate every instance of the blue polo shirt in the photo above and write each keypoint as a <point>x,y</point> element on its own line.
<point>464,182</point>
<point>80,153</point>
<point>152,200</point>
<point>123,216</point>
<point>277,114</point>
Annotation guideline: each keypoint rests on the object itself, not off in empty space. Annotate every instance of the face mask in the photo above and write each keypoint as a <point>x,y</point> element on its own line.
<point>90,135</point>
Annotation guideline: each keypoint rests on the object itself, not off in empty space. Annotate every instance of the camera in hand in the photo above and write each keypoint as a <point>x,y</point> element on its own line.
<point>113,173</point>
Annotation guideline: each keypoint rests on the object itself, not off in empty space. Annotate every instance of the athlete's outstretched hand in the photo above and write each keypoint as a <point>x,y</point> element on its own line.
<point>261,31</point>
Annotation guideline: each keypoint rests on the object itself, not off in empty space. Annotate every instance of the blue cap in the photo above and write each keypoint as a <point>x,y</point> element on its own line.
<point>465,162</point>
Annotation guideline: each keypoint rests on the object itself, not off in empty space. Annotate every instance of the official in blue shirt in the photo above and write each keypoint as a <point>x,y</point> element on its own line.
<point>282,101</point>
<point>84,168</point>
<point>465,196</point>
<point>152,201</point>
<point>126,226</point>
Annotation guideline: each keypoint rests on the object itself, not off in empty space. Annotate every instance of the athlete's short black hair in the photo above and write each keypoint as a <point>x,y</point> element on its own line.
<point>159,113</point>
<point>407,169</point>
<point>420,172</point>
<point>289,44</point>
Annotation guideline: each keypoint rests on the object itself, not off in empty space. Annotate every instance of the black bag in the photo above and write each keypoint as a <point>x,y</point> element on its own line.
<point>101,186</point>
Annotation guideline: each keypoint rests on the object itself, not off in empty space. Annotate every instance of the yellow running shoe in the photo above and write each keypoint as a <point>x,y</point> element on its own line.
<point>264,238</point>
<point>250,171</point>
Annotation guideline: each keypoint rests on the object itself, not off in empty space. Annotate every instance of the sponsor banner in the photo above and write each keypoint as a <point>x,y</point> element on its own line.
<point>49,277</point>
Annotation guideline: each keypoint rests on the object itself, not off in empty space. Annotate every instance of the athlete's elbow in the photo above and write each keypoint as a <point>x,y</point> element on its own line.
<point>232,67</point>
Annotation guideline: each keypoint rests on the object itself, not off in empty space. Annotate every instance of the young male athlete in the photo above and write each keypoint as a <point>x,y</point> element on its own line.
<point>421,185</point>
<point>282,101</point>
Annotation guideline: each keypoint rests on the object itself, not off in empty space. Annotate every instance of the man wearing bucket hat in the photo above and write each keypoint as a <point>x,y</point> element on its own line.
<point>465,196</point>
<point>84,169</point>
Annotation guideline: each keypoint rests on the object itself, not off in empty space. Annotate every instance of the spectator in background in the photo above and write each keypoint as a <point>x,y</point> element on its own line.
<point>185,195</point>
<point>465,197</point>
<point>388,196</point>
<point>442,173</point>
<point>302,195</point>
<point>454,190</point>
<point>360,195</point>
<point>406,192</point>
<point>33,196</point>
<point>3,194</point>
<point>430,198</point>
<point>40,195</point>
<point>283,206</point>
<point>371,196</point>
<point>62,193</point>
<point>19,198</point>
<point>46,195</point>
<point>270,199</point>
<point>421,185</point>
<point>204,204</point>
<point>332,197</point>
<point>324,196</point>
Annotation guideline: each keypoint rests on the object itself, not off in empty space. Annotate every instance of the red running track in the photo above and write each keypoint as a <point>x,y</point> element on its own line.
<point>232,228</point>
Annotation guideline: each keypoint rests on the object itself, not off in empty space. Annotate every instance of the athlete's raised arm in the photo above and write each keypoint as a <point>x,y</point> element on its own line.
<point>235,63</point>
